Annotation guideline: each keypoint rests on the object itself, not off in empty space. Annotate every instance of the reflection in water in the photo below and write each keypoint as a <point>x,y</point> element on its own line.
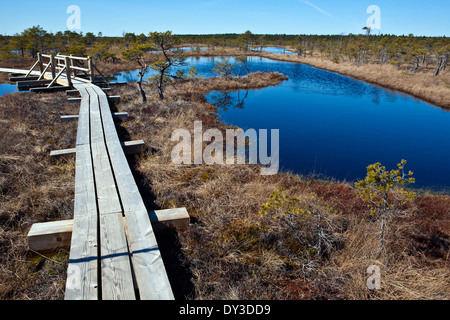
<point>225,100</point>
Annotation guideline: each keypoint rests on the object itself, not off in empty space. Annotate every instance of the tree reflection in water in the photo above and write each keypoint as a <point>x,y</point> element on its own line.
<point>225,100</point>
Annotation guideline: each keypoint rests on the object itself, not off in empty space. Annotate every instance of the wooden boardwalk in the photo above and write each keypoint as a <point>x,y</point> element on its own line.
<point>112,238</point>
<point>114,254</point>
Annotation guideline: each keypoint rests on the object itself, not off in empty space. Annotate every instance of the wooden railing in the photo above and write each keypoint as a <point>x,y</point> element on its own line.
<point>52,67</point>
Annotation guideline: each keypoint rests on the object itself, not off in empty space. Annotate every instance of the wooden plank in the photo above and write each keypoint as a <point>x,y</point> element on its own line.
<point>113,99</point>
<point>49,236</point>
<point>82,273</point>
<point>33,83</point>
<point>17,79</point>
<point>116,116</point>
<point>133,147</point>
<point>61,153</point>
<point>150,272</point>
<point>69,118</point>
<point>129,147</point>
<point>117,279</point>
<point>120,115</point>
<point>107,196</point>
<point>19,71</point>
<point>171,218</point>
<point>75,68</point>
<point>51,89</point>
<point>62,57</point>
<point>72,92</point>
<point>83,133</point>
<point>83,282</point>
<point>74,100</point>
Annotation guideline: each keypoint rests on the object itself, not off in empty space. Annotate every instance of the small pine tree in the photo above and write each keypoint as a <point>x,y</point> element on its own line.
<point>384,191</point>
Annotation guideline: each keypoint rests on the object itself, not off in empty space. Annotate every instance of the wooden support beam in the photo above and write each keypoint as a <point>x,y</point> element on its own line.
<point>74,100</point>
<point>56,78</point>
<point>120,115</point>
<point>114,99</point>
<point>51,89</point>
<point>171,218</point>
<point>49,236</point>
<point>69,118</point>
<point>76,92</point>
<point>32,68</point>
<point>22,78</point>
<point>72,92</point>
<point>133,147</point>
<point>33,83</point>
<point>111,99</point>
<point>129,148</point>
<point>44,71</point>
<point>116,116</point>
<point>61,153</point>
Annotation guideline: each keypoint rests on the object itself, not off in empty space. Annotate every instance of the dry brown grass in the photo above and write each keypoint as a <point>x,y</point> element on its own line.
<point>34,188</point>
<point>230,250</point>
<point>234,253</point>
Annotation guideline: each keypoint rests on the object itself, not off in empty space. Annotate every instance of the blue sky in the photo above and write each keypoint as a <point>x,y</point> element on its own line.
<point>114,17</point>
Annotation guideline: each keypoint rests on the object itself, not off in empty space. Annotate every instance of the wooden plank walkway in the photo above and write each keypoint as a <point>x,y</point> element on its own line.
<point>114,249</point>
<point>114,254</point>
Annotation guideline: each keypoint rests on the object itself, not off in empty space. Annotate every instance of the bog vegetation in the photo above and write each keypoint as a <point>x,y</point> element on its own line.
<point>406,52</point>
<point>411,64</point>
<point>252,236</point>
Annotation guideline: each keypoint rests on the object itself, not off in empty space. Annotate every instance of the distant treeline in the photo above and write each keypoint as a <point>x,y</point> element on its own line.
<point>406,51</point>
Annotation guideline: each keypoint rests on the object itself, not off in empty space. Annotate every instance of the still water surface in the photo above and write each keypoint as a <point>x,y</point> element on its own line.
<point>334,126</point>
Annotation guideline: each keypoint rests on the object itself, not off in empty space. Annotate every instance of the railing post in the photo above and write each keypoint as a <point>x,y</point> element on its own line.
<point>68,71</point>
<point>91,68</point>
<point>52,61</point>
<point>41,64</point>
<point>72,63</point>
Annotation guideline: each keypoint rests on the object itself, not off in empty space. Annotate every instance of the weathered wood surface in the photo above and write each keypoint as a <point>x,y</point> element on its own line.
<point>116,116</point>
<point>151,276</point>
<point>83,282</point>
<point>48,236</point>
<point>125,248</point>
